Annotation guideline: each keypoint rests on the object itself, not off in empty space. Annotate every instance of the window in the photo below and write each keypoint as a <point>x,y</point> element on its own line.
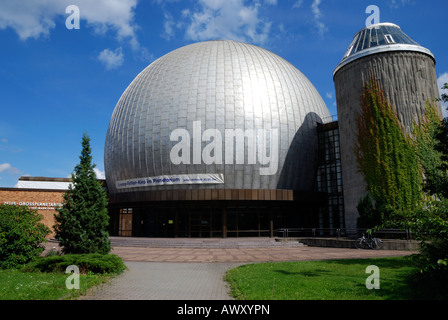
<point>389,38</point>
<point>348,52</point>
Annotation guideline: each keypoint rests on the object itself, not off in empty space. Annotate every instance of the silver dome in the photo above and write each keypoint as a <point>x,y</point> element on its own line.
<point>211,90</point>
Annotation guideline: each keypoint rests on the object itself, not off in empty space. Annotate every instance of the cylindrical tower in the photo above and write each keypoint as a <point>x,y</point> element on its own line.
<point>407,74</point>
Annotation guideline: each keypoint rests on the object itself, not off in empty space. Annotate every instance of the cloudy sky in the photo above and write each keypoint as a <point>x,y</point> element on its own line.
<point>59,79</point>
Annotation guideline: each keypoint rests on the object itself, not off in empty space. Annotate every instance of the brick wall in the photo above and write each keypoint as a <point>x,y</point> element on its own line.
<point>42,200</point>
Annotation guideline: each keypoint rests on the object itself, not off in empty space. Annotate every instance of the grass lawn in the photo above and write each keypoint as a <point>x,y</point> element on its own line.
<point>323,280</point>
<point>17,285</point>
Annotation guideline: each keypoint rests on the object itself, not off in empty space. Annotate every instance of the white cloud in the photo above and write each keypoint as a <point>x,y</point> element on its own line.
<point>29,19</point>
<point>395,4</point>
<point>228,19</point>
<point>116,15</point>
<point>320,26</point>
<point>6,167</point>
<point>32,19</point>
<point>36,19</point>
<point>99,174</point>
<point>168,26</point>
<point>297,4</point>
<point>111,59</point>
<point>441,80</point>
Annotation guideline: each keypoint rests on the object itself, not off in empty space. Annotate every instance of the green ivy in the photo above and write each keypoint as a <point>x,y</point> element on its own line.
<point>429,149</point>
<point>385,153</point>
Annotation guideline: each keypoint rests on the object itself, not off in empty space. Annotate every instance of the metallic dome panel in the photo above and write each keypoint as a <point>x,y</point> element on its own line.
<point>218,85</point>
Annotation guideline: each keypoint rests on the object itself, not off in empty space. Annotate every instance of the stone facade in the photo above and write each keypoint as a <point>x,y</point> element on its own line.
<point>408,79</point>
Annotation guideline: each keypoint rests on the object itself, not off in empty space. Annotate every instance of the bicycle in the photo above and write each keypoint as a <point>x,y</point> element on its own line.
<point>366,243</point>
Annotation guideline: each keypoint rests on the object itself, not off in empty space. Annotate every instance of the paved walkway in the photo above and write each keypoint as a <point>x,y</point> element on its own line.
<point>197,273</point>
<point>166,281</point>
<point>231,255</point>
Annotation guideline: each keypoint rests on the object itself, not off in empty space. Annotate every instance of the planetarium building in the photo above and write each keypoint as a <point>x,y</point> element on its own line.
<point>226,139</point>
<point>215,139</point>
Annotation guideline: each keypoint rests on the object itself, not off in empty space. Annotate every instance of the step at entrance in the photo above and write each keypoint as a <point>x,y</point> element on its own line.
<point>201,243</point>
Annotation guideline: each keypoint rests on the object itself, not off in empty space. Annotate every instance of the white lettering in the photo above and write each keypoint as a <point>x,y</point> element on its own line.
<point>185,310</point>
<point>72,21</point>
<point>183,147</point>
<point>236,149</point>
<point>72,281</point>
<point>214,147</point>
<point>197,143</point>
<point>35,205</point>
<point>239,136</point>
<point>373,281</point>
<point>245,309</point>
<point>374,18</point>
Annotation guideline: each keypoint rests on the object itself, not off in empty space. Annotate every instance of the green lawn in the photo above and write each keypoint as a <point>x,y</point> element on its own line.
<point>17,285</point>
<point>323,280</point>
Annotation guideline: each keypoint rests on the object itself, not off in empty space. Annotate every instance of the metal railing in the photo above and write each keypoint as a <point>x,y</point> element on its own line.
<point>390,233</point>
<point>341,232</point>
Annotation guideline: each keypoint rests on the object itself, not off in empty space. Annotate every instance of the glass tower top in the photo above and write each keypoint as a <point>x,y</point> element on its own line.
<point>379,38</point>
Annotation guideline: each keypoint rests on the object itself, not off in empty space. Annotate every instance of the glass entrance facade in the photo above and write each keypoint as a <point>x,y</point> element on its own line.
<point>210,220</point>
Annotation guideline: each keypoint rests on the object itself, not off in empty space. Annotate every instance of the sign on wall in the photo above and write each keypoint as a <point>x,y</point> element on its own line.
<point>171,180</point>
<point>35,205</point>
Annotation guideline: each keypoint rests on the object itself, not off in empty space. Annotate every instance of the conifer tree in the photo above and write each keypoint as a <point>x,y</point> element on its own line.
<point>82,221</point>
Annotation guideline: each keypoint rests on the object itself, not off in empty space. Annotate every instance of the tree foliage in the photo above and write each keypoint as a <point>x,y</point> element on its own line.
<point>369,215</point>
<point>408,178</point>
<point>443,134</point>
<point>444,95</point>
<point>82,221</point>
<point>21,235</point>
<point>431,153</point>
<point>385,153</point>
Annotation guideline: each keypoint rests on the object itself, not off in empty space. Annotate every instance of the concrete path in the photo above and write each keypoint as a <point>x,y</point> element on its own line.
<point>241,255</point>
<point>166,281</point>
<point>198,273</point>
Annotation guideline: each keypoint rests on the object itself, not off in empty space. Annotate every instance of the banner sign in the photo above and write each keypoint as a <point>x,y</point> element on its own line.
<point>35,205</point>
<point>171,180</point>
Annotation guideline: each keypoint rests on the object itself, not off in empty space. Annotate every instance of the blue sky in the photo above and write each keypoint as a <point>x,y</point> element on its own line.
<point>57,83</point>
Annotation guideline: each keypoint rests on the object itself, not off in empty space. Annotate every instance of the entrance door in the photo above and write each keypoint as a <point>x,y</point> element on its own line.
<point>245,221</point>
<point>200,223</point>
<point>125,222</point>
<point>165,221</point>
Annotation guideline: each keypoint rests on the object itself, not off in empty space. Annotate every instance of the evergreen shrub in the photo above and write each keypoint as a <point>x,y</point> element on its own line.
<point>82,220</point>
<point>87,263</point>
<point>21,235</point>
